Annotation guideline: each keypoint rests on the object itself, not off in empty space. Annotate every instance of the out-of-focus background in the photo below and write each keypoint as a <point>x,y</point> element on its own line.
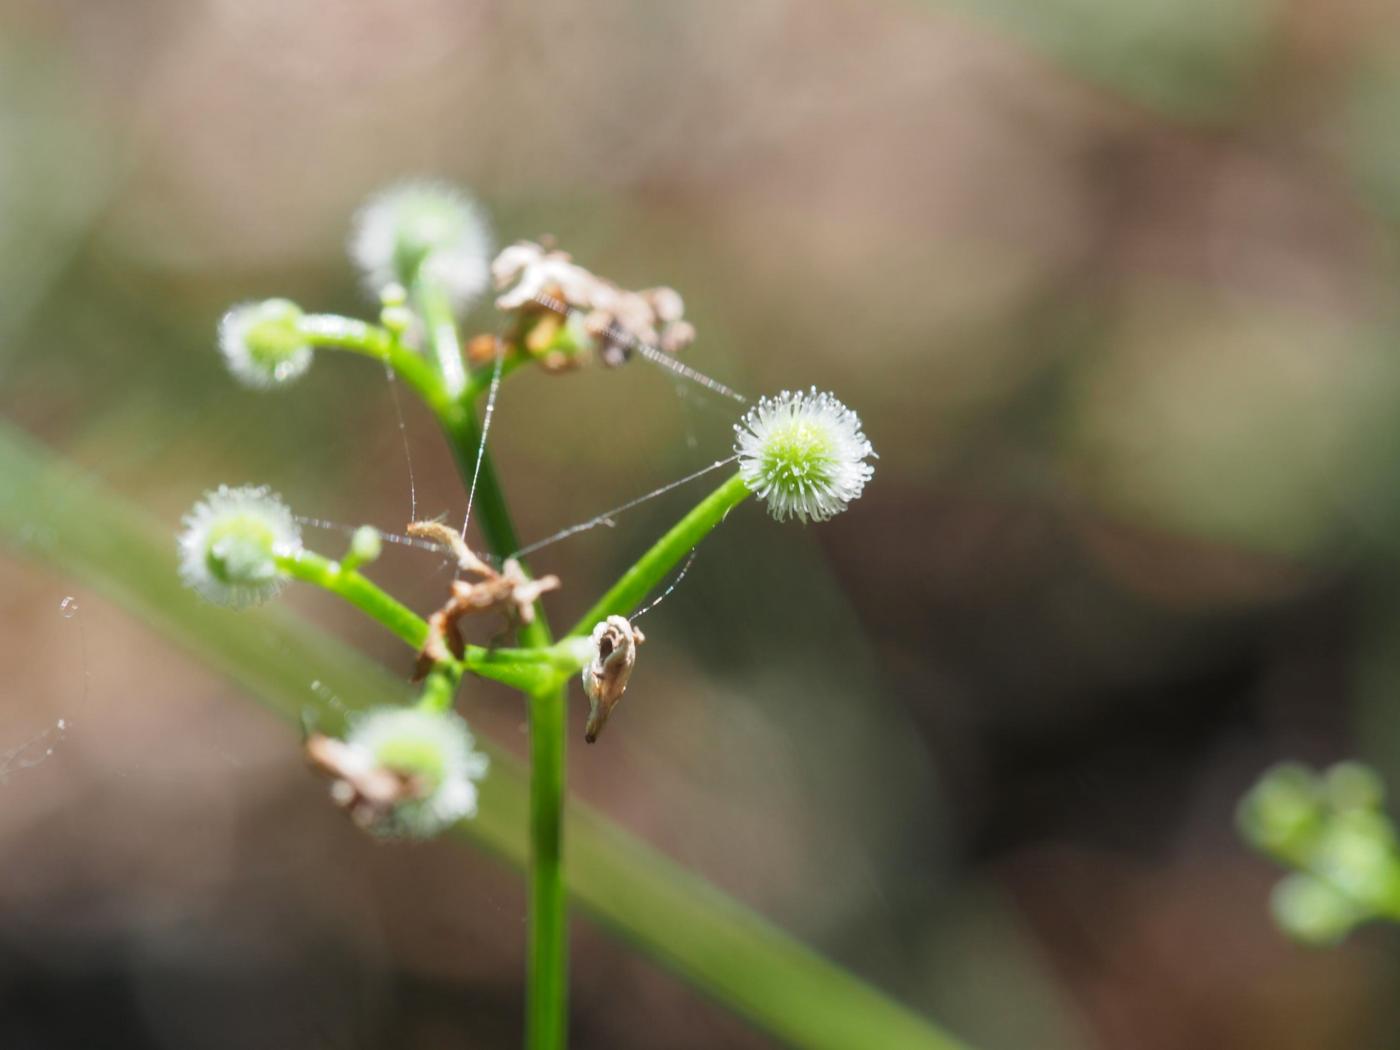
<point>1111,285</point>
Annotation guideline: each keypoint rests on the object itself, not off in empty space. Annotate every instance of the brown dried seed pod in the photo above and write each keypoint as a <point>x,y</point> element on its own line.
<point>605,677</point>
<point>483,349</point>
<point>529,276</point>
<point>368,793</point>
<point>509,590</point>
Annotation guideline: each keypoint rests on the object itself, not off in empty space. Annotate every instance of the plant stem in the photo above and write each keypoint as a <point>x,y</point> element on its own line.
<point>546,1017</point>
<point>492,513</point>
<point>636,583</point>
<point>333,332</point>
<point>547,968</point>
<point>359,591</point>
<point>440,687</point>
<point>527,669</point>
<point>454,414</point>
<point>435,308</point>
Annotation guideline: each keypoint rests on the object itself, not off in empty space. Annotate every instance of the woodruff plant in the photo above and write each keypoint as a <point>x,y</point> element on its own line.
<point>1331,829</point>
<point>423,251</point>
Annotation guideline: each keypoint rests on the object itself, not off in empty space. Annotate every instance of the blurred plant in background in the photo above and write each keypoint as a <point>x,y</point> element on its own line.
<point>1332,829</point>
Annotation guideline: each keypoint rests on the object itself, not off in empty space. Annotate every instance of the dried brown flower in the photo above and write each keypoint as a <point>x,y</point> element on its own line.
<point>509,590</point>
<point>605,677</point>
<point>533,277</point>
<point>366,791</point>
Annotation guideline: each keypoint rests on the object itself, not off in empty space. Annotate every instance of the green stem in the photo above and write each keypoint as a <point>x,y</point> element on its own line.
<point>440,688</point>
<point>637,582</point>
<point>489,502</point>
<point>435,308</point>
<point>546,1018</point>
<point>333,332</point>
<point>359,591</point>
<point>547,968</point>
<point>526,669</point>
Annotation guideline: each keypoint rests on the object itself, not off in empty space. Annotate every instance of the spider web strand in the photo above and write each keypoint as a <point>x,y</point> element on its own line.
<point>606,517</point>
<point>653,354</point>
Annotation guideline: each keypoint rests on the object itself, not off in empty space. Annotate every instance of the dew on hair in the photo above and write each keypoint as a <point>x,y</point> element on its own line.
<point>671,587</point>
<point>664,360</point>
<point>28,754</point>
<point>323,693</point>
<point>68,609</point>
<point>385,535</point>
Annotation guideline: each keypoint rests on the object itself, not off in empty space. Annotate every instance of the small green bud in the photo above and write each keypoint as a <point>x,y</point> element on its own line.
<point>426,229</point>
<point>1312,912</point>
<point>262,343</point>
<point>1356,853</point>
<point>433,758</point>
<point>365,547</point>
<point>231,542</point>
<point>393,294</point>
<point>1354,785</point>
<point>396,319</point>
<point>1282,813</point>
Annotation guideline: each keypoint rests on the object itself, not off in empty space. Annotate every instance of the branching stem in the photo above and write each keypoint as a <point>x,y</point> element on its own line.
<point>540,669</point>
<point>333,332</point>
<point>525,669</point>
<point>546,1020</point>
<point>637,582</point>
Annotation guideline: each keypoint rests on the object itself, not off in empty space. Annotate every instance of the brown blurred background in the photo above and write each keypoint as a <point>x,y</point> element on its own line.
<point>1109,281</point>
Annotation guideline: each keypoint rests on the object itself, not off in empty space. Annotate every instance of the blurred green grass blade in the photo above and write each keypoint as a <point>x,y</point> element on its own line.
<point>1370,113</point>
<point>50,511</point>
<point>1194,60</point>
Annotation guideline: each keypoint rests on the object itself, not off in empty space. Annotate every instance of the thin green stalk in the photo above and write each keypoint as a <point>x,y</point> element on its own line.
<point>435,308</point>
<point>547,1011</point>
<point>333,332</point>
<point>359,591</point>
<point>546,1019</point>
<point>440,688</point>
<point>547,969</point>
<point>454,414</point>
<point>527,669</point>
<point>637,582</point>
